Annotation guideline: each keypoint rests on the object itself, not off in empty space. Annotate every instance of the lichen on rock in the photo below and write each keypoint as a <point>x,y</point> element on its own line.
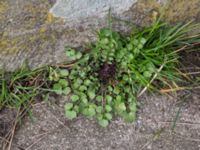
<point>38,30</point>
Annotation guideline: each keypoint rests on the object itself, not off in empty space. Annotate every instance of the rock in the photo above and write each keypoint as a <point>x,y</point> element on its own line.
<point>38,30</point>
<point>78,10</point>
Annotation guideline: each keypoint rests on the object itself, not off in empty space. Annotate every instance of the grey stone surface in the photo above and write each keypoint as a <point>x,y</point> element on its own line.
<point>30,30</point>
<point>82,9</point>
<point>50,130</point>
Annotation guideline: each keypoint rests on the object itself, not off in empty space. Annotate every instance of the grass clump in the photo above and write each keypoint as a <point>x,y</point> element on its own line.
<point>107,79</point>
<point>19,88</point>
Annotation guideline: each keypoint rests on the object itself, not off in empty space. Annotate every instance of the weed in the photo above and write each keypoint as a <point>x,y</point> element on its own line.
<point>108,79</point>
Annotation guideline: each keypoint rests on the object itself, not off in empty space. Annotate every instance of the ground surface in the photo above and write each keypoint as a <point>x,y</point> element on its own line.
<point>50,130</point>
<point>28,31</point>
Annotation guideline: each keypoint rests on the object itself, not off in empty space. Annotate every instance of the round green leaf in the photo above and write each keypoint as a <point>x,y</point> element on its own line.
<point>99,109</point>
<point>103,122</point>
<point>87,82</point>
<point>74,98</point>
<point>66,90</point>
<point>108,108</point>
<point>64,73</point>
<point>116,90</point>
<point>99,98</point>
<point>104,41</point>
<point>129,117</point>
<point>70,114</point>
<point>108,98</point>
<point>130,46</point>
<point>57,88</point>
<point>78,55</point>
<point>63,82</point>
<point>108,116</point>
<point>91,94</point>
<point>133,107</point>
<point>82,88</point>
<point>68,106</point>
<point>143,40</point>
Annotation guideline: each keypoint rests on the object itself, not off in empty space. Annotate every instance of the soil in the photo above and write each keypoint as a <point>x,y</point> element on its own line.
<point>154,128</point>
<point>7,118</point>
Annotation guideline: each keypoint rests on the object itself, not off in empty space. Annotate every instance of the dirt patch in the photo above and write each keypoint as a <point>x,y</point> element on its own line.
<point>153,129</point>
<point>7,117</point>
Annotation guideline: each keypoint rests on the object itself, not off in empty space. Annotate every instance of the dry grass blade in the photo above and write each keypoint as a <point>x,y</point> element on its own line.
<point>154,77</point>
<point>177,89</point>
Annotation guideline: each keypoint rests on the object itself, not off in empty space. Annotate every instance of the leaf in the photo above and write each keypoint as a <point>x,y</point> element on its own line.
<point>79,81</point>
<point>104,123</point>
<point>129,117</point>
<point>133,107</point>
<point>64,73</point>
<point>147,74</point>
<point>129,47</point>
<point>74,98</point>
<point>120,107</point>
<point>66,90</point>
<point>91,94</point>
<point>110,88</point>
<point>143,41</point>
<point>89,112</point>
<point>63,82</point>
<point>118,98</point>
<point>135,42</point>
<point>68,106</point>
<point>108,98</point>
<point>76,85</point>
<point>70,114</point>
<point>108,108</point>
<point>99,109</point>
<point>108,116</point>
<point>57,88</point>
<point>104,41</point>
<point>78,55</point>
<point>99,98</point>
<point>84,100</point>
<point>70,52</point>
<point>105,32</point>
<point>82,88</point>
<point>125,77</point>
<point>76,108</point>
<point>116,90</point>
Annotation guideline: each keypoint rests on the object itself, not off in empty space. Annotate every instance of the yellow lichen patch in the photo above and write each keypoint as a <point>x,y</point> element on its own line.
<point>182,10</point>
<point>37,41</point>
<point>171,11</point>
<point>50,18</point>
<point>3,8</point>
<point>9,45</point>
